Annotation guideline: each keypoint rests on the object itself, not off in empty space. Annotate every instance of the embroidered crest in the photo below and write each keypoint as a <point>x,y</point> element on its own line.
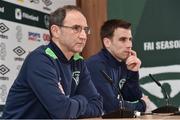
<point>121,83</point>
<point>75,76</point>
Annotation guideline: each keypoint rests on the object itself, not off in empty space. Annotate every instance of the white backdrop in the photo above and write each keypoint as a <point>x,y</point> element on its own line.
<point>23,27</point>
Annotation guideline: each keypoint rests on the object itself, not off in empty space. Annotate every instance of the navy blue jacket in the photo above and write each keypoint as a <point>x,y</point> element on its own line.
<point>36,91</point>
<point>124,80</point>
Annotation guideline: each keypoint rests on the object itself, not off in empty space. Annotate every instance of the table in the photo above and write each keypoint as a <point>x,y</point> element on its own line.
<point>157,116</point>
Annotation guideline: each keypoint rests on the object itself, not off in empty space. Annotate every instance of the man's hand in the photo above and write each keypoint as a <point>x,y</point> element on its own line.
<point>145,98</point>
<point>149,105</point>
<point>133,63</point>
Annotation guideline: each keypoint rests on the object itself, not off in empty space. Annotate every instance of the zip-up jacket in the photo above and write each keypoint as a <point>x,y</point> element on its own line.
<point>117,78</point>
<point>50,86</point>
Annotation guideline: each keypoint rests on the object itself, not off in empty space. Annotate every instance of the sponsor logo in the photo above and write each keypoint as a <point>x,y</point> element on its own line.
<point>30,17</point>
<point>46,37</point>
<point>19,15</point>
<point>34,1</point>
<point>4,69</point>
<point>18,59</point>
<point>2,9</point>
<point>47,3</point>
<point>3,92</point>
<point>4,78</point>
<point>20,1</point>
<point>3,29</point>
<point>19,51</point>
<point>46,21</point>
<point>34,36</point>
<point>3,52</point>
<point>18,67</point>
<point>19,33</point>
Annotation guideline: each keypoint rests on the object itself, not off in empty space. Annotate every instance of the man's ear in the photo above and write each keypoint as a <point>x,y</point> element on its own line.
<point>55,31</point>
<point>107,42</point>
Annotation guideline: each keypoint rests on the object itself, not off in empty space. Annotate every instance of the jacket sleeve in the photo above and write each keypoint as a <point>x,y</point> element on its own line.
<point>132,87</point>
<point>110,101</point>
<point>87,89</point>
<point>43,80</point>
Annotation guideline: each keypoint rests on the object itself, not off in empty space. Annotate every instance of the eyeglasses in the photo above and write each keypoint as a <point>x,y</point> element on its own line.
<point>78,28</point>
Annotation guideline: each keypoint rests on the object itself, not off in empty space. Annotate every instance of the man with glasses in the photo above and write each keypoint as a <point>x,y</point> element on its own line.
<point>54,81</point>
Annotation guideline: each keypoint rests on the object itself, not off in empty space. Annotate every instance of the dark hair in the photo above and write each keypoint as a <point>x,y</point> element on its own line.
<point>57,17</point>
<point>107,29</point>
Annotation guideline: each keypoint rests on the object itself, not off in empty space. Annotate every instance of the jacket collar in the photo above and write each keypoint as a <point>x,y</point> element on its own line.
<point>59,53</point>
<point>110,59</point>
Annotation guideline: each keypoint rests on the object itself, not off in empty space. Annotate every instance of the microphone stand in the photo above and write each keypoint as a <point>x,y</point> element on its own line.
<point>122,112</point>
<point>167,108</point>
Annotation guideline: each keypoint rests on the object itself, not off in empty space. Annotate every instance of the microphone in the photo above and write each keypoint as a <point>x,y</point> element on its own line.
<point>122,112</point>
<point>114,86</point>
<point>176,113</point>
<point>159,84</point>
<point>167,108</point>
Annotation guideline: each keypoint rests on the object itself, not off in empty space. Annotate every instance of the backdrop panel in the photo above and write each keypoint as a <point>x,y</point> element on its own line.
<point>156,38</point>
<point>23,27</point>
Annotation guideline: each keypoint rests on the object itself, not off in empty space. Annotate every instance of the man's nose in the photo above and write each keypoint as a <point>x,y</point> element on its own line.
<point>129,43</point>
<point>83,34</point>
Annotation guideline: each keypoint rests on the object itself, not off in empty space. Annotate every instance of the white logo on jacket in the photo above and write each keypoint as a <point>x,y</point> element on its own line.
<point>75,76</point>
<point>121,83</point>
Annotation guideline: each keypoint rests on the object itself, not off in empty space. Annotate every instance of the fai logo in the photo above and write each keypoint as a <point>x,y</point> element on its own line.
<point>75,76</point>
<point>18,14</point>
<point>47,2</point>
<point>3,28</point>
<point>19,51</point>
<point>3,69</point>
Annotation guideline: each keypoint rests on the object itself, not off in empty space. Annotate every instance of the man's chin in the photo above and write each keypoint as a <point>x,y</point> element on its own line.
<point>79,50</point>
<point>124,59</point>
